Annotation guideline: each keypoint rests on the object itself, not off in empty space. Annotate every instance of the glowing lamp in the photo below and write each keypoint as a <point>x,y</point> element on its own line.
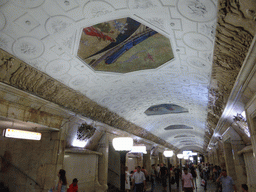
<point>78,143</point>
<point>168,153</point>
<point>186,157</point>
<point>139,149</point>
<point>180,156</point>
<point>122,143</point>
<point>191,158</point>
<point>20,134</point>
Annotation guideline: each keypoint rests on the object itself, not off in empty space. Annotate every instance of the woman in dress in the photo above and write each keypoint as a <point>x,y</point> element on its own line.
<point>127,180</point>
<point>62,183</point>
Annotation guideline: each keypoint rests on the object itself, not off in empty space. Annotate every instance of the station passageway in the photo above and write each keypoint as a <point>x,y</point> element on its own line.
<point>90,88</point>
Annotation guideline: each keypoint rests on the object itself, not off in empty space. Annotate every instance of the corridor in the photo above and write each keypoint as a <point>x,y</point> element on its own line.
<point>96,87</point>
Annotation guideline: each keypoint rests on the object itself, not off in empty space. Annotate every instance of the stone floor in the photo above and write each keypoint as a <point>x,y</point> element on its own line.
<point>210,188</point>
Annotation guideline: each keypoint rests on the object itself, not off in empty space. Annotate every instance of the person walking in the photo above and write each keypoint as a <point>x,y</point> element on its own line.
<point>177,173</point>
<point>227,182</point>
<point>153,177</point>
<point>193,173</point>
<point>62,183</point>
<point>163,176</point>
<point>187,181</point>
<point>127,180</point>
<point>139,180</point>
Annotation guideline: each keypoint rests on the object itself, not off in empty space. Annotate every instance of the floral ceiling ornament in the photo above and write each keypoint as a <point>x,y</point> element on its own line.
<point>85,132</point>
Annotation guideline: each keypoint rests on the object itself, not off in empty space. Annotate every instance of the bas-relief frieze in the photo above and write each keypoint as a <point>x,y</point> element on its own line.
<point>234,32</point>
<point>22,76</point>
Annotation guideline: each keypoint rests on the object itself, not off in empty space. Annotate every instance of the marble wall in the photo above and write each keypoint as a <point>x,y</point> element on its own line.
<point>84,167</point>
<point>40,160</point>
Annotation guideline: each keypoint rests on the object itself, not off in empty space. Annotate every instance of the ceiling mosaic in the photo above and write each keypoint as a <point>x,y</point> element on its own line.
<point>90,46</point>
<point>123,45</point>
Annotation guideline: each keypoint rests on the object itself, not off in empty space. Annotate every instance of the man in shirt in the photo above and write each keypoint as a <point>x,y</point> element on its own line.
<point>163,175</point>
<point>177,173</point>
<point>187,181</point>
<point>228,184</point>
<point>139,180</point>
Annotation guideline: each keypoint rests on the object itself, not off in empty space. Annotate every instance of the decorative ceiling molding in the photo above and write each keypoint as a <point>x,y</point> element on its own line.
<point>22,76</point>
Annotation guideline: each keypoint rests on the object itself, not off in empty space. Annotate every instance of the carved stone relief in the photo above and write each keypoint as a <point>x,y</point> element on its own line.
<point>234,33</point>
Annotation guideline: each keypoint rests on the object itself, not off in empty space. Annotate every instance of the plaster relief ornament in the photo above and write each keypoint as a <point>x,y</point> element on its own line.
<point>197,41</point>
<point>57,67</point>
<point>2,21</point>
<point>28,48</point>
<point>67,5</point>
<point>197,10</point>
<point>207,29</point>
<point>28,3</point>
<point>78,81</point>
<point>141,4</point>
<point>58,24</point>
<point>94,9</point>
<point>159,22</point>
<point>85,132</point>
<point>199,78</point>
<point>198,62</point>
<point>6,42</point>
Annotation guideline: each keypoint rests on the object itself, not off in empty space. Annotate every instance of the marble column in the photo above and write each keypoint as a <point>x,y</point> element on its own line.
<point>160,157</point>
<point>157,160</point>
<point>103,147</point>
<point>147,161</point>
<point>238,145</point>
<point>140,159</point>
<point>230,165</point>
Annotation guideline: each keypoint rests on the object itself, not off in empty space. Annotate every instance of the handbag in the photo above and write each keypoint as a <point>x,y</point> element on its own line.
<point>203,182</point>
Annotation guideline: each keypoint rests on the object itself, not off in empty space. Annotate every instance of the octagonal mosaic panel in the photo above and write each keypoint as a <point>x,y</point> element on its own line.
<point>122,46</point>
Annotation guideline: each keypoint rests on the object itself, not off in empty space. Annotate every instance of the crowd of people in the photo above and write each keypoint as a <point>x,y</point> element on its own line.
<point>188,177</point>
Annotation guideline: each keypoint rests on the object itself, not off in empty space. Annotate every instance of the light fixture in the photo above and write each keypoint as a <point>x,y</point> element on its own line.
<point>168,153</point>
<point>78,143</point>
<point>139,149</point>
<point>180,156</point>
<point>186,157</point>
<point>191,158</point>
<point>20,134</point>
<point>193,154</point>
<point>122,143</point>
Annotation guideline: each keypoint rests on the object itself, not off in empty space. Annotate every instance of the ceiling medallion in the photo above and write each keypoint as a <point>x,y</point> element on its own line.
<point>197,10</point>
<point>28,48</point>
<point>85,132</point>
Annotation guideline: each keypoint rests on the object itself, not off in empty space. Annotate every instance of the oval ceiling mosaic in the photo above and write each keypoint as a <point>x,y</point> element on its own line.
<point>165,109</point>
<point>174,127</point>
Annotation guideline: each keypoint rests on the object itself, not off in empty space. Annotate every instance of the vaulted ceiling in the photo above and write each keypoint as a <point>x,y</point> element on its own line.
<point>160,69</point>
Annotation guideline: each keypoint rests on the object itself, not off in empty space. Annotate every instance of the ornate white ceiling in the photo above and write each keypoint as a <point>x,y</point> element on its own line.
<point>46,35</point>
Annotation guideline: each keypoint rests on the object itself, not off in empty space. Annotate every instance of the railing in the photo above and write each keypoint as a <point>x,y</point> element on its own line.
<point>18,169</point>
